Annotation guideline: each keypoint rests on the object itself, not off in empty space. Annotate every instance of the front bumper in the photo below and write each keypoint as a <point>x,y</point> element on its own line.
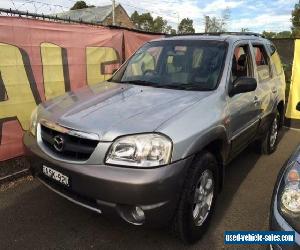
<point>110,189</point>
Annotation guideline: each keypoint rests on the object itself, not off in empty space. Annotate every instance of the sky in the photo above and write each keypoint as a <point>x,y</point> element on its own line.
<point>255,15</point>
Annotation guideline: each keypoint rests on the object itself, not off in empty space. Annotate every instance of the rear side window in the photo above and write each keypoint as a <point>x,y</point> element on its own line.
<point>262,62</point>
<point>275,58</point>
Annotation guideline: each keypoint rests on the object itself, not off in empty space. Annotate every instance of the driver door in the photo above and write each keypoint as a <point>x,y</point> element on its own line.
<point>243,107</point>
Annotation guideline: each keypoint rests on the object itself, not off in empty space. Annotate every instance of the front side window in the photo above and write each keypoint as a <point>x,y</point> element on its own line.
<point>182,64</point>
<point>241,63</point>
<point>262,62</point>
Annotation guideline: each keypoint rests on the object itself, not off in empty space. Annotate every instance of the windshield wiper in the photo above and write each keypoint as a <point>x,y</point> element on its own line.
<point>140,82</point>
<point>183,86</point>
<point>169,86</point>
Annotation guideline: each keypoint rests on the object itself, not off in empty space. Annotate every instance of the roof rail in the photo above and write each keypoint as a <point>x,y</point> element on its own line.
<point>222,33</point>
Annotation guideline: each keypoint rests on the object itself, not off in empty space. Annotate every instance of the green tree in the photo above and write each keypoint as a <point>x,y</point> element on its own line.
<point>81,5</point>
<point>284,34</point>
<point>173,32</point>
<point>186,26</point>
<point>135,18</point>
<point>169,30</point>
<point>146,22</point>
<point>245,30</point>
<point>143,21</point>
<point>213,25</point>
<point>159,24</point>
<point>269,35</point>
<point>217,24</point>
<point>296,21</point>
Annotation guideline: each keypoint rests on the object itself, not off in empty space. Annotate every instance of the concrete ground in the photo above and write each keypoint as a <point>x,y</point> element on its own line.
<point>32,217</point>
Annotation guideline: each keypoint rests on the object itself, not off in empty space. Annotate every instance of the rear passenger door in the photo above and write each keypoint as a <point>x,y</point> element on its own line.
<point>266,84</point>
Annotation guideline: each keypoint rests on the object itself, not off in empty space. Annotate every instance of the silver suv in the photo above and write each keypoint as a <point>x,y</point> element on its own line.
<point>151,144</point>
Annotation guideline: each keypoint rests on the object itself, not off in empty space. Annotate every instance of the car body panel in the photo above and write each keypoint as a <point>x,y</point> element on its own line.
<point>193,120</point>
<point>276,221</point>
<point>102,188</point>
<point>127,108</point>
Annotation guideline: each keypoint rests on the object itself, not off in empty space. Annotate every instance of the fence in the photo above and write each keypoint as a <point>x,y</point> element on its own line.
<point>40,60</point>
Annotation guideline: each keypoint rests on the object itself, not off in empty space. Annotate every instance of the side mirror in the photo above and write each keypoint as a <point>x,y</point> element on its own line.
<point>298,106</point>
<point>243,85</point>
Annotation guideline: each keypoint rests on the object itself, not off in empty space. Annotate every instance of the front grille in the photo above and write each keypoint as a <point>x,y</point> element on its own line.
<point>74,148</point>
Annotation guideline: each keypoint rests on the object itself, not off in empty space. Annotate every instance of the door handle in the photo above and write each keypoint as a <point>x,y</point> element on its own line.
<point>255,100</point>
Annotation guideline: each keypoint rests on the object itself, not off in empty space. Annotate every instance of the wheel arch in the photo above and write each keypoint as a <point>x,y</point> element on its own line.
<point>281,110</point>
<point>219,146</point>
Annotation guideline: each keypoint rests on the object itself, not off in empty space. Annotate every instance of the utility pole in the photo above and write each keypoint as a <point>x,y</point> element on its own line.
<point>178,18</point>
<point>113,12</point>
<point>206,24</point>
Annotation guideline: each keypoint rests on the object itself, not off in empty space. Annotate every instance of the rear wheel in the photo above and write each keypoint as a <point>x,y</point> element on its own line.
<point>198,199</point>
<point>270,140</point>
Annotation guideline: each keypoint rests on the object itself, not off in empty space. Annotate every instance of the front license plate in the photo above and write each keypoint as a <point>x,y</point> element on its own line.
<point>55,175</point>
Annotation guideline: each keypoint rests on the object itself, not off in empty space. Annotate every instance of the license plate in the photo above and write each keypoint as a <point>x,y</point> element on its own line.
<point>55,175</point>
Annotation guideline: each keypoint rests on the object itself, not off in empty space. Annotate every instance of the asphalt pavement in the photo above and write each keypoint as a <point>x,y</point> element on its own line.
<point>33,217</point>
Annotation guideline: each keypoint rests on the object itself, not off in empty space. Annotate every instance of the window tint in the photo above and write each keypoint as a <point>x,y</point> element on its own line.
<point>197,58</point>
<point>275,58</point>
<point>262,62</point>
<point>178,64</point>
<point>240,63</point>
<point>176,60</point>
<point>144,62</point>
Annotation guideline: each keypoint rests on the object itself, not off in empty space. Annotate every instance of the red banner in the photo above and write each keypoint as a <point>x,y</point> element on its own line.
<point>40,60</point>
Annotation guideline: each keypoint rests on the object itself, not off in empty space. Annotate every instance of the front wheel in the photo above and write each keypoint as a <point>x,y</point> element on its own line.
<point>198,199</point>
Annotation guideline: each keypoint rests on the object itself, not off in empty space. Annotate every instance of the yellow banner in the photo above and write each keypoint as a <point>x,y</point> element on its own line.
<point>294,94</point>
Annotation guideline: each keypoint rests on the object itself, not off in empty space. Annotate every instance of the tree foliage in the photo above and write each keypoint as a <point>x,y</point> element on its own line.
<point>269,34</point>
<point>214,25</point>
<point>169,30</point>
<point>81,5</point>
<point>245,30</point>
<point>282,34</point>
<point>146,22</point>
<point>217,24</point>
<point>296,21</point>
<point>186,26</point>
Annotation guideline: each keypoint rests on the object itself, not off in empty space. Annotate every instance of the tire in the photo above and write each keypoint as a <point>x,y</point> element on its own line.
<point>269,142</point>
<point>188,225</point>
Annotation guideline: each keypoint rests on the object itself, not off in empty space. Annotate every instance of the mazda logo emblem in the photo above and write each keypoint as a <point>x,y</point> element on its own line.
<point>58,143</point>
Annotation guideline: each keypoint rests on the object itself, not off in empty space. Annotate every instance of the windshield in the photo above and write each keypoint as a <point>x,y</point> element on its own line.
<point>178,64</point>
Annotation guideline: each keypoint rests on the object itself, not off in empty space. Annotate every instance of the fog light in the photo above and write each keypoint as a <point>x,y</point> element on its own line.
<point>138,214</point>
<point>132,214</point>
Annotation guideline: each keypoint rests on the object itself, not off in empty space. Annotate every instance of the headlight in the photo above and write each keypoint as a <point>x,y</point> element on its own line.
<point>143,150</point>
<point>33,121</point>
<point>290,196</point>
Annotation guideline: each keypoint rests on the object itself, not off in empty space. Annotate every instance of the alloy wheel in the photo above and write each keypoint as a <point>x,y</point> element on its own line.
<point>203,197</point>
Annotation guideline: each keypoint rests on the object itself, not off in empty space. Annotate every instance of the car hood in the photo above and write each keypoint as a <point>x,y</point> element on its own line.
<point>111,109</point>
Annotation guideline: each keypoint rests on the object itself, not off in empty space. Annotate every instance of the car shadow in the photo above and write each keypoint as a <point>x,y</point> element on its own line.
<point>237,171</point>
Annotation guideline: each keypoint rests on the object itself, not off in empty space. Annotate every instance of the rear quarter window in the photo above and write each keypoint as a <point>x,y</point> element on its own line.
<point>275,58</point>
